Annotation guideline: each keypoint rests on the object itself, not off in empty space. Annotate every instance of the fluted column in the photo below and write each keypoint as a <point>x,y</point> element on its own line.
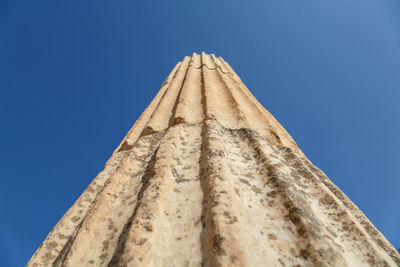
<point>208,177</point>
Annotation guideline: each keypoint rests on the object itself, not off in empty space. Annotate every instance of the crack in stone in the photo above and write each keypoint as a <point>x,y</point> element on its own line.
<point>216,67</point>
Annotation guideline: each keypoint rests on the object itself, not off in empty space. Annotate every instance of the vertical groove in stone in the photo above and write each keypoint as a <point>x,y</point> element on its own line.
<point>170,209</point>
<point>144,118</point>
<point>216,93</point>
<point>362,221</point>
<point>304,224</point>
<point>208,177</point>
<point>106,219</point>
<point>119,248</point>
<point>189,106</point>
<point>59,239</point>
<point>224,236</point>
<point>161,117</point>
<point>275,129</point>
<point>337,220</point>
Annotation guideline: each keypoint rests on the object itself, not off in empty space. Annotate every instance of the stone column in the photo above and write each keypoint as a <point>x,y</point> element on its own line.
<point>208,177</point>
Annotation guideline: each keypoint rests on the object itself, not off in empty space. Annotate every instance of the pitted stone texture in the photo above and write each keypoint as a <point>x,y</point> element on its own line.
<point>207,177</point>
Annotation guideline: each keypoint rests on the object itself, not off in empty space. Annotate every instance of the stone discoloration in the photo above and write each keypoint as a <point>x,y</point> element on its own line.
<point>207,177</point>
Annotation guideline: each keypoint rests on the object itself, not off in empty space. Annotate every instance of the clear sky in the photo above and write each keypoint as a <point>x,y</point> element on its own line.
<point>75,75</point>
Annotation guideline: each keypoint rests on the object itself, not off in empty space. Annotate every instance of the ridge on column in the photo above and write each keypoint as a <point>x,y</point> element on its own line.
<point>208,177</point>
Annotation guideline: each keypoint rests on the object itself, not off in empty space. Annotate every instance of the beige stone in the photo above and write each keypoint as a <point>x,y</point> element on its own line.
<point>208,177</point>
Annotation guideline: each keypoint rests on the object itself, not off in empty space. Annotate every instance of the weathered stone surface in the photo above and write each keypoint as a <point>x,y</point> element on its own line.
<point>208,177</point>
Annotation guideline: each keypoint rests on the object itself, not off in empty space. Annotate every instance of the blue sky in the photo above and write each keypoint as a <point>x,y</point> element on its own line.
<point>75,75</point>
